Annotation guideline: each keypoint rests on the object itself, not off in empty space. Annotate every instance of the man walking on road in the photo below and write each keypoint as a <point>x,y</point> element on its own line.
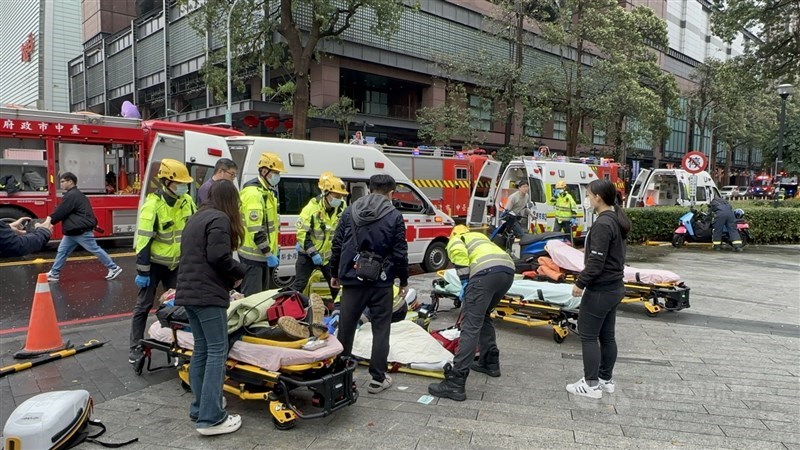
<point>78,228</point>
<point>369,252</point>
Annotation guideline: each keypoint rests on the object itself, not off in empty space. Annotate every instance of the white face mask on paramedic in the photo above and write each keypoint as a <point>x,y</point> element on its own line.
<point>334,202</point>
<point>181,189</point>
<point>273,179</point>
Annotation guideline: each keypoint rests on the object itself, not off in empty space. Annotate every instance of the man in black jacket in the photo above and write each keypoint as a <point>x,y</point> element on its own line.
<point>15,241</point>
<point>370,225</point>
<point>78,224</point>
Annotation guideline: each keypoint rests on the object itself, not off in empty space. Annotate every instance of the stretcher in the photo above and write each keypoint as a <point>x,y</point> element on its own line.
<point>528,303</point>
<point>658,290</point>
<point>258,369</point>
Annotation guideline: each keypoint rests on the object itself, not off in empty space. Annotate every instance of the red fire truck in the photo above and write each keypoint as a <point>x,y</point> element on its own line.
<point>609,170</point>
<point>109,156</point>
<point>446,176</point>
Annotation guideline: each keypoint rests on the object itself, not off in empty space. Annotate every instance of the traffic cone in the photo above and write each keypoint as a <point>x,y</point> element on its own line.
<point>43,333</point>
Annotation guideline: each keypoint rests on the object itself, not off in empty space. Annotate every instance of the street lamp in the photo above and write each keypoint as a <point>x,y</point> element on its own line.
<point>228,118</point>
<point>784,90</point>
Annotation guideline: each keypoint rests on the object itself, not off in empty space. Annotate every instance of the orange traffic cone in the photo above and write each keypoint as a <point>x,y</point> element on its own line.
<point>43,333</point>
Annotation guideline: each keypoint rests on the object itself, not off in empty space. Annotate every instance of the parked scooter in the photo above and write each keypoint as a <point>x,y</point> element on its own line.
<point>696,226</point>
<point>531,246</point>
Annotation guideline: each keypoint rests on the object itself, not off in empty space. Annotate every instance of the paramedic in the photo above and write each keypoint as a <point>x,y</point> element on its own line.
<point>372,230</point>
<point>206,274</point>
<point>15,241</point>
<point>518,204</point>
<point>224,169</point>
<point>259,207</point>
<point>724,218</point>
<point>315,228</point>
<point>78,226</point>
<point>565,208</point>
<point>158,242</point>
<point>486,272</point>
<point>601,289</point>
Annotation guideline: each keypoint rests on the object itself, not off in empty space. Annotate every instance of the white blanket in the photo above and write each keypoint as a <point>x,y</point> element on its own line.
<point>541,291</point>
<point>409,344</point>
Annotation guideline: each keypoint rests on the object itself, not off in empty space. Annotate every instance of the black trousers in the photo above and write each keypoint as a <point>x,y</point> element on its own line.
<point>379,301</point>
<point>257,278</point>
<point>596,321</point>
<point>302,272</point>
<point>481,296</point>
<point>144,303</point>
<point>725,220</point>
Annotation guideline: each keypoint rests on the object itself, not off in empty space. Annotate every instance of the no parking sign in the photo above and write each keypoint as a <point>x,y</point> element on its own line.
<point>694,163</point>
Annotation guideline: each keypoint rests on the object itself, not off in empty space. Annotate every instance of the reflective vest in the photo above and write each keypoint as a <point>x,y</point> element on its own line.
<point>163,224</point>
<point>472,253</point>
<point>565,206</point>
<point>316,226</point>
<point>260,214</point>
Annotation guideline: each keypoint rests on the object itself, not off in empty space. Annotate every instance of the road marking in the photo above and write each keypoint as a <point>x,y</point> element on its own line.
<point>74,258</point>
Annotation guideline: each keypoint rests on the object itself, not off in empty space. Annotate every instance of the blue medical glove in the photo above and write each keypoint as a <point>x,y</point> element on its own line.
<point>463,288</point>
<point>272,261</point>
<point>298,247</point>
<point>573,222</point>
<point>317,259</point>
<point>142,281</point>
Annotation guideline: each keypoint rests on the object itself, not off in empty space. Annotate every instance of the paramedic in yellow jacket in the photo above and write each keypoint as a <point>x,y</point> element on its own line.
<point>486,272</point>
<point>566,208</point>
<point>315,228</point>
<point>260,251</point>
<point>158,242</point>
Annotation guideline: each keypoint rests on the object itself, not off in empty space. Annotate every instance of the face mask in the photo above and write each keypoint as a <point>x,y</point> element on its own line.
<point>334,202</point>
<point>557,192</point>
<point>181,189</point>
<point>273,179</point>
<point>588,204</point>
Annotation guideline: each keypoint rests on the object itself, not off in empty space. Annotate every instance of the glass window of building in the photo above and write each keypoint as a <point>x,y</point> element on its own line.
<point>480,110</point>
<point>560,126</point>
<point>376,103</point>
<point>598,136</point>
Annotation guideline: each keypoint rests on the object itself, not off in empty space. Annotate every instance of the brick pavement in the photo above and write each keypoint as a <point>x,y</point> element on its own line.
<point>723,374</point>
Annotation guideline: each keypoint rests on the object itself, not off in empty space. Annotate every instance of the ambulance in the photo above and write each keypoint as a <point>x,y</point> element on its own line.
<point>427,227</point>
<point>490,195</point>
<point>671,187</point>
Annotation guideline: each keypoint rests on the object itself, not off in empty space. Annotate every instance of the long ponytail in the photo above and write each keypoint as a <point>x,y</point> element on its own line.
<point>608,193</point>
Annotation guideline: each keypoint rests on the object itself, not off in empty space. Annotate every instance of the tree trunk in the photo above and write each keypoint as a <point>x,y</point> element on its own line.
<point>300,104</point>
<point>726,175</point>
<point>573,113</point>
<point>712,160</point>
<point>619,144</point>
<point>690,143</point>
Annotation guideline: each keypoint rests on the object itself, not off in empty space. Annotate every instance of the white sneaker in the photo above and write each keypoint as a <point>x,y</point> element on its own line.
<point>229,425</point>
<point>112,273</point>
<point>606,386</point>
<point>377,386</point>
<point>52,278</point>
<point>581,388</point>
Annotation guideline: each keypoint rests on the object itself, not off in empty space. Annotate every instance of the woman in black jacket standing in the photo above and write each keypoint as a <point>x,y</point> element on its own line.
<point>601,288</point>
<point>206,274</point>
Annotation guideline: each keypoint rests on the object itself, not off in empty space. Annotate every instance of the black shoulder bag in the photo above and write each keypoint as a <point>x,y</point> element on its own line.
<point>368,265</point>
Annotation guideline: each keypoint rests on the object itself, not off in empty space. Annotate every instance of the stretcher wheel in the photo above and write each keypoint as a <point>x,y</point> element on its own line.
<point>186,386</point>
<point>138,366</point>
<point>285,425</point>
<point>651,313</point>
<point>557,337</point>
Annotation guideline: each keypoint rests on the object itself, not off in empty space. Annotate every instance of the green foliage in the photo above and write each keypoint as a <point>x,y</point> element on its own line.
<point>768,225</point>
<point>342,112</point>
<point>452,119</point>
<point>791,137</point>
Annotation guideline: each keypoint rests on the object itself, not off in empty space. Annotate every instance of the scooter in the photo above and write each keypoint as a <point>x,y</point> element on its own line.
<point>531,246</point>
<point>696,226</point>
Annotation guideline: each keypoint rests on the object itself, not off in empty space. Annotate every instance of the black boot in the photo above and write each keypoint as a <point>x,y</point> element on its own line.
<point>489,364</point>
<point>452,387</point>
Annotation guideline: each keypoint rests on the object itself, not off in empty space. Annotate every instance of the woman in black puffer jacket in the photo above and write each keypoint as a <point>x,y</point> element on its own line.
<point>206,274</point>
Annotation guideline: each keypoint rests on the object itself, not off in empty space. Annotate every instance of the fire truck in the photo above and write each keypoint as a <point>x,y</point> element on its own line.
<point>607,169</point>
<point>109,156</point>
<point>446,176</point>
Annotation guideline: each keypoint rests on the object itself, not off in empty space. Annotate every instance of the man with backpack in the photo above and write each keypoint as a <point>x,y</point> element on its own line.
<point>369,252</point>
<point>79,222</point>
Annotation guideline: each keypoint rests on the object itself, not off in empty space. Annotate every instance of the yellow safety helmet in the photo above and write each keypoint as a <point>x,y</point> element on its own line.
<point>272,162</point>
<point>330,183</point>
<point>174,170</point>
<point>459,230</point>
<point>561,184</point>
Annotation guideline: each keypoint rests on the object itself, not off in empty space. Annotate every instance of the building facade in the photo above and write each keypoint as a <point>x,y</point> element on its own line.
<point>38,38</point>
<point>155,61</point>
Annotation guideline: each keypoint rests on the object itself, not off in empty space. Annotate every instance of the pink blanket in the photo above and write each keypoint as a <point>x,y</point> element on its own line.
<point>265,356</point>
<point>571,260</point>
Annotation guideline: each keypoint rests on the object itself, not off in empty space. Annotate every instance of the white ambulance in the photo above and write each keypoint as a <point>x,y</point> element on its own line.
<point>491,195</point>
<point>670,187</point>
<point>427,228</point>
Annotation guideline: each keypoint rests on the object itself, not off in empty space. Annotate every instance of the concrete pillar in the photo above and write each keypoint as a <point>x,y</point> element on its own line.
<point>325,82</point>
<point>435,94</point>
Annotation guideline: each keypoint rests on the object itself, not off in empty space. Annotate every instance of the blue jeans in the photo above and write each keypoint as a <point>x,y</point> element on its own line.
<point>207,367</point>
<point>85,240</point>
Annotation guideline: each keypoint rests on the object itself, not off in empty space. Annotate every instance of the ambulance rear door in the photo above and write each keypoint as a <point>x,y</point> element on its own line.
<point>483,194</point>
<point>538,193</point>
<point>638,189</point>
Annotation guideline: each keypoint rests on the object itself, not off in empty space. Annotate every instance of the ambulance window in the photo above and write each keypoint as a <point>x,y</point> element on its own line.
<point>461,173</point>
<point>700,194</point>
<point>294,193</point>
<point>407,200</point>
<point>536,190</point>
<point>573,189</point>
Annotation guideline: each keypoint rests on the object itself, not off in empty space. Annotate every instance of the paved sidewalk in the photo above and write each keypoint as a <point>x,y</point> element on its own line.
<point>723,374</point>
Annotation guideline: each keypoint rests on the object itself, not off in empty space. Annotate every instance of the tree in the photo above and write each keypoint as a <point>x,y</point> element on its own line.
<point>302,25</point>
<point>702,101</point>
<point>776,23</point>
<point>791,138</point>
<point>441,124</point>
<point>342,112</point>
